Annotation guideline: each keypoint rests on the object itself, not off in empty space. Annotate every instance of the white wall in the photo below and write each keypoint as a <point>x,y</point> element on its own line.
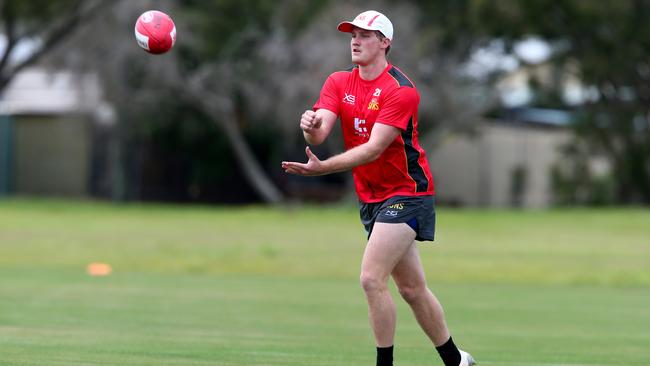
<point>478,171</point>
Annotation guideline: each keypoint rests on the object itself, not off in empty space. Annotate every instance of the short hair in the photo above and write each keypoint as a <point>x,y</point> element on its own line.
<point>381,37</point>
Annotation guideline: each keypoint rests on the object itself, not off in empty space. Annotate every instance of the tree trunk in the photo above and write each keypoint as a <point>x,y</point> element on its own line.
<point>221,112</point>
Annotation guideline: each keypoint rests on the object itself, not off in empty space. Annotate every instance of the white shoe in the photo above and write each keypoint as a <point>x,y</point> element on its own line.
<point>466,359</point>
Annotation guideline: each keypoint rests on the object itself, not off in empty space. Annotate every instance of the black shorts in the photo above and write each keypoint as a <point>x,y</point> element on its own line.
<point>417,211</point>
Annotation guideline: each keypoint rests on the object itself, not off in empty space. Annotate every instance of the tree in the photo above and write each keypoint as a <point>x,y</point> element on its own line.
<point>211,69</point>
<point>605,45</point>
<point>230,36</point>
<point>45,23</point>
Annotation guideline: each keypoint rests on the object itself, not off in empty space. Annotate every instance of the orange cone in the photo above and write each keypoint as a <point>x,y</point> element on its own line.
<point>99,269</point>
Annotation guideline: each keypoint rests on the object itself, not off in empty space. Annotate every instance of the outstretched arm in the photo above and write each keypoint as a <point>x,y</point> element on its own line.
<point>382,135</point>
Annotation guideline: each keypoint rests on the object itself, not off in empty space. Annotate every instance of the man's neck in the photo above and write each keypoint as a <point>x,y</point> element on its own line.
<point>371,71</point>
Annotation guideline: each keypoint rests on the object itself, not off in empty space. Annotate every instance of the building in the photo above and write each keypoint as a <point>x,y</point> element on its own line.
<point>507,163</point>
<point>46,128</point>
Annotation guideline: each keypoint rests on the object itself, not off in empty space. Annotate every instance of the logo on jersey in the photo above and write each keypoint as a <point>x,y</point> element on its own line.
<point>360,127</point>
<point>349,99</point>
<point>373,105</point>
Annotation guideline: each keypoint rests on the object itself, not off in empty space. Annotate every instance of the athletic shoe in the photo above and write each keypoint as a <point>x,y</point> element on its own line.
<point>466,359</point>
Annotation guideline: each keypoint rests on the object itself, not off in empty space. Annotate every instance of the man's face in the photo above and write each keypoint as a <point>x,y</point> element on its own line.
<point>366,46</point>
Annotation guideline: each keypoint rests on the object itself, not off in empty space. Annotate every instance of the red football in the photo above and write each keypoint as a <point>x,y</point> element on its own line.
<point>155,32</point>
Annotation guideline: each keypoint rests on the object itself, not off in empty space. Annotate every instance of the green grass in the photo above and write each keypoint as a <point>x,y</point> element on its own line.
<point>260,286</point>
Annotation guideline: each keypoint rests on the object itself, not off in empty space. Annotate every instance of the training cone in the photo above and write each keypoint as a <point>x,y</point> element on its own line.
<point>99,269</point>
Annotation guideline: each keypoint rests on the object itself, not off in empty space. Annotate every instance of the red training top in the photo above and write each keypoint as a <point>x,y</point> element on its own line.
<point>392,99</point>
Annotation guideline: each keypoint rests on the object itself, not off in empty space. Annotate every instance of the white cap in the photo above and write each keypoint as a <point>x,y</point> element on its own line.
<point>369,20</point>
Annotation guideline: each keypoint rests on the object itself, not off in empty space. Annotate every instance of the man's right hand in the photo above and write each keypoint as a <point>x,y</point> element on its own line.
<point>310,121</point>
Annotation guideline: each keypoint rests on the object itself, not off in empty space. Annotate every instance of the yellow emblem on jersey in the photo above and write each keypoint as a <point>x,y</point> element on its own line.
<point>373,105</point>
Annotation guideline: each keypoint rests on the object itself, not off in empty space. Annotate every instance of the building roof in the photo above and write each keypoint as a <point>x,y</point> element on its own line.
<point>537,116</point>
<point>37,91</point>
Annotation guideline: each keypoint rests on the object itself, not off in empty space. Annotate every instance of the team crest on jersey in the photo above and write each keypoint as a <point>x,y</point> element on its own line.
<point>374,104</point>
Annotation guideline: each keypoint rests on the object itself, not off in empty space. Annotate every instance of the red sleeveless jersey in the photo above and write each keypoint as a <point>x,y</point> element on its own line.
<point>391,99</point>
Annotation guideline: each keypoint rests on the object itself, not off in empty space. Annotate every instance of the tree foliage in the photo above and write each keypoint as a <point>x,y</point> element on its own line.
<point>606,44</point>
<point>212,74</point>
<point>46,23</point>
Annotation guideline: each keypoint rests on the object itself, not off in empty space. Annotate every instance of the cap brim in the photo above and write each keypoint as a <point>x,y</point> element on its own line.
<point>348,27</point>
<point>345,27</point>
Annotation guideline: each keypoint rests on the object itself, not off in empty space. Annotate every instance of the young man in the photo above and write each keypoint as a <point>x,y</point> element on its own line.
<point>378,107</point>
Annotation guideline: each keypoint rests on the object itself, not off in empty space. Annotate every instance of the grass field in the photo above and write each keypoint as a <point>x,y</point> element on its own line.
<point>261,286</point>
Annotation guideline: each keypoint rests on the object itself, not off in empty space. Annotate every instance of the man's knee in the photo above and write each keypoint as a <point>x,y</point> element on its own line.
<point>371,282</point>
<point>412,293</point>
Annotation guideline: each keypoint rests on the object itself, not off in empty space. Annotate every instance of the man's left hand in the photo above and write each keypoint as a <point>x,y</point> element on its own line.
<point>312,167</point>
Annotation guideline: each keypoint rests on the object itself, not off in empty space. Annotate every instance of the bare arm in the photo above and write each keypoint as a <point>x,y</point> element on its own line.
<point>382,135</point>
<point>316,126</point>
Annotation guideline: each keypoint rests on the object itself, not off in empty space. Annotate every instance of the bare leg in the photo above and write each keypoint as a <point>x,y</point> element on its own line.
<point>409,277</point>
<point>387,245</point>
